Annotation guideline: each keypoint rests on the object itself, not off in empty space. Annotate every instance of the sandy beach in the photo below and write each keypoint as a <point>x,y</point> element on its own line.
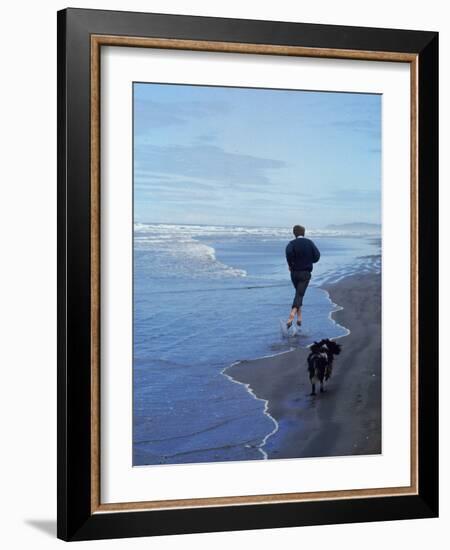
<point>346,419</point>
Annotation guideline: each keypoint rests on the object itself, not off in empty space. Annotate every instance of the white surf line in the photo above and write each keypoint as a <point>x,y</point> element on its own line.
<point>336,307</point>
<point>266,408</point>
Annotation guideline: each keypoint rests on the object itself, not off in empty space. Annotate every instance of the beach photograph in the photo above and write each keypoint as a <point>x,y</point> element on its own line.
<point>257,266</point>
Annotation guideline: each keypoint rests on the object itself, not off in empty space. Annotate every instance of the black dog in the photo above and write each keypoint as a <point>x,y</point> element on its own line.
<point>320,362</point>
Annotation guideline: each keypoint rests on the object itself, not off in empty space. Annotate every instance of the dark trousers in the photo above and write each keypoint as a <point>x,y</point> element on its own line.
<point>300,280</point>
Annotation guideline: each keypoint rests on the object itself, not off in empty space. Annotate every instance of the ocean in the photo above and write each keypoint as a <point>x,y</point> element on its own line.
<point>206,297</point>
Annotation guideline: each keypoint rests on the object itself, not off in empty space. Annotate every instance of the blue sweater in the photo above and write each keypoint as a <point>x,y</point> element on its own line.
<point>301,254</point>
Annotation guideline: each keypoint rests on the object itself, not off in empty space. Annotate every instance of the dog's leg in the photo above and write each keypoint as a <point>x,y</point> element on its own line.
<point>313,392</point>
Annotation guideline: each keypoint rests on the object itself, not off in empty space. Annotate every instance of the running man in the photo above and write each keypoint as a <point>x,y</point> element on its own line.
<point>301,254</point>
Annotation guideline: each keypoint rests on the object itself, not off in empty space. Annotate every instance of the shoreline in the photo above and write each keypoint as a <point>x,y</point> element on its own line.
<point>346,419</point>
<point>265,412</point>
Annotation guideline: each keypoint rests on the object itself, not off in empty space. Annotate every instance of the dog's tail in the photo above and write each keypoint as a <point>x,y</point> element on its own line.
<point>334,347</point>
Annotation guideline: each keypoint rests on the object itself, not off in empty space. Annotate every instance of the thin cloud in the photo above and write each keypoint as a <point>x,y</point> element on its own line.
<point>150,114</point>
<point>350,197</point>
<point>209,162</point>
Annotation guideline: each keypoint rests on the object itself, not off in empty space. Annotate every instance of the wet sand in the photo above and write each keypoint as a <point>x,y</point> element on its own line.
<point>346,419</point>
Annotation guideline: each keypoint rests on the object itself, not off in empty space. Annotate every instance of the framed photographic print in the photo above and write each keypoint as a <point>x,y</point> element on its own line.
<point>247,252</point>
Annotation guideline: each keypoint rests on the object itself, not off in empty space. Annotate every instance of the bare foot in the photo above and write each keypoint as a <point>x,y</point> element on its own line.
<point>289,322</point>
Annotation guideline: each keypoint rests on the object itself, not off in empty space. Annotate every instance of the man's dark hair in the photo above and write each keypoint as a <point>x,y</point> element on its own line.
<point>298,230</point>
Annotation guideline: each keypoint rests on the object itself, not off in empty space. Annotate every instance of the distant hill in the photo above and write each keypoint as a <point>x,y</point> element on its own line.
<point>356,227</point>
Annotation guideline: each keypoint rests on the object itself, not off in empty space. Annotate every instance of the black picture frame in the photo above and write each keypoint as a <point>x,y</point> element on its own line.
<point>76,521</point>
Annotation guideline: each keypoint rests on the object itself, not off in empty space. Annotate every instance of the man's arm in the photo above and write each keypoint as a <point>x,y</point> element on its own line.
<point>290,255</point>
<point>315,253</point>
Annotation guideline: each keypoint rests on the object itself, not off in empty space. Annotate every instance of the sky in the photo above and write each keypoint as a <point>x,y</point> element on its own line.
<point>260,157</point>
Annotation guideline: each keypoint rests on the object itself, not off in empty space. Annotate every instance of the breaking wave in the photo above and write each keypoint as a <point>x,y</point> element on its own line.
<point>176,251</point>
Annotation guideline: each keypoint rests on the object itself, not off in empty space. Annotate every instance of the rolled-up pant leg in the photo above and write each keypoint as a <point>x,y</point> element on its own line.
<point>300,280</point>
